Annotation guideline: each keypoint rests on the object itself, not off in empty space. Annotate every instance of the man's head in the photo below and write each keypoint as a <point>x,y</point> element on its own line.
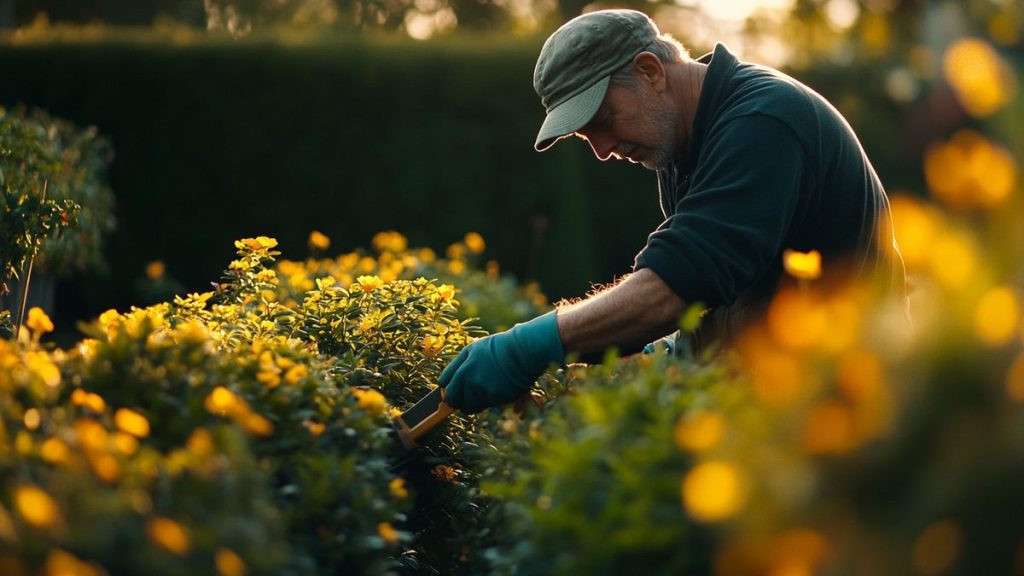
<point>587,55</point>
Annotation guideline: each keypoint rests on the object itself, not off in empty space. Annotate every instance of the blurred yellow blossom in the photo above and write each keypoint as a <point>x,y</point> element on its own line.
<point>981,80</point>
<point>296,374</point>
<point>953,260</point>
<point>713,491</point>
<point>319,241</point>
<point>829,429</point>
<point>131,422</point>
<point>370,400</point>
<point>155,270</point>
<point>700,431</point>
<point>126,443</point>
<point>802,265</point>
<point>474,243</point>
<point>38,321</point>
<point>54,451</point>
<point>31,419</point>
<point>105,466</point>
<point>88,400</point>
<point>91,435</point>
<point>937,547</point>
<point>200,442</point>
<point>397,488</point>
<point>1015,379</point>
<point>970,171</point>
<point>389,241</point>
<point>257,424</point>
<point>797,321</point>
<point>221,400</point>
<point>228,563</point>
<point>387,532</point>
<point>169,535</point>
<point>315,428</point>
<point>61,563</point>
<point>36,506</point>
<point>914,224</point>
<point>39,363</point>
<point>996,316</point>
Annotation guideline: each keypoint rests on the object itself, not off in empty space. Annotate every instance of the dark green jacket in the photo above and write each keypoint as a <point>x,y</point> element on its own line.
<point>771,165</point>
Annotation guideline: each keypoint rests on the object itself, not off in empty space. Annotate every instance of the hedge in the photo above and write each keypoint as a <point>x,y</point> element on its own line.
<point>216,140</point>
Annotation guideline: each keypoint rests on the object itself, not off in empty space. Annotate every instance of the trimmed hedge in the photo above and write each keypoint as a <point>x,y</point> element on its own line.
<point>217,140</point>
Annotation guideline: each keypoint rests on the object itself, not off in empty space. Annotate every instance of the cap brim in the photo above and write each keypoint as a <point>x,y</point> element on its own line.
<point>571,115</point>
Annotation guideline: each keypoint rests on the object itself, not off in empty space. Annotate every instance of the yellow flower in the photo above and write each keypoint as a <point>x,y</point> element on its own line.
<point>369,283</point>
<point>38,321</point>
<point>802,265</point>
<point>169,535</point>
<point>457,267</point>
<point>315,428</point>
<point>91,435</point>
<point>131,422</point>
<point>713,491</point>
<point>54,451</point>
<point>318,241</point>
<point>455,252</point>
<point>88,400</point>
<point>221,400</point>
<point>59,563</point>
<point>432,345</point>
<point>105,467</point>
<point>39,363</point>
<point>258,425</point>
<point>36,506</point>
<point>387,532</point>
<point>444,473</point>
<point>699,432</point>
<point>370,400</point>
<point>446,292</point>
<point>389,241</point>
<point>31,418</point>
<point>126,443</point>
<point>155,270</point>
<point>295,374</point>
<point>397,488</point>
<point>474,242</point>
<point>257,243</point>
<point>200,442</point>
<point>228,563</point>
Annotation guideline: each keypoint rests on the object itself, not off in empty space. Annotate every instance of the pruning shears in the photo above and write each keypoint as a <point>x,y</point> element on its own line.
<point>423,417</point>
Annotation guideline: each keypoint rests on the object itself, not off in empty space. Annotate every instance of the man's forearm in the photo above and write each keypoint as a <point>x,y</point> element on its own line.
<point>638,310</point>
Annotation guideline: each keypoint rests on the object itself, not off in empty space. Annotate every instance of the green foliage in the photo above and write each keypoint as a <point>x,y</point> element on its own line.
<point>29,212</point>
<point>42,152</point>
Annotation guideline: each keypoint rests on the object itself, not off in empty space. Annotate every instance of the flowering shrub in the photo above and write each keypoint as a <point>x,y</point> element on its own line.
<point>495,301</point>
<point>207,431</point>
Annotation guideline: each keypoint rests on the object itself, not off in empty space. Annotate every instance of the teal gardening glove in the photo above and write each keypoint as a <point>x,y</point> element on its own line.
<point>500,368</point>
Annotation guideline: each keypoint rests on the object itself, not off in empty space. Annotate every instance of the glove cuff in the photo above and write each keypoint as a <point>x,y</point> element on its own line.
<point>541,339</point>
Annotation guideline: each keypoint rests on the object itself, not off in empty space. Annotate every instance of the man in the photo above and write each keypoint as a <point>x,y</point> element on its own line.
<point>750,163</point>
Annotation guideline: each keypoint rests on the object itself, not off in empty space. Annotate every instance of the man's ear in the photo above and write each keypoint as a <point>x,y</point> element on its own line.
<point>650,69</point>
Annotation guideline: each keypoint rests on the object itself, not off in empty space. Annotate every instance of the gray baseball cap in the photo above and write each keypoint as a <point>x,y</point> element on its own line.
<point>576,62</point>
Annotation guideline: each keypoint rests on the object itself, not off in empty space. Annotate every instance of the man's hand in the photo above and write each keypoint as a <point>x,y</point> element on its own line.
<point>500,368</point>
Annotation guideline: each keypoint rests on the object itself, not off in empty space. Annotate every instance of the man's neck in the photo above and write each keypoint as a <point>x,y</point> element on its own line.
<point>687,81</point>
